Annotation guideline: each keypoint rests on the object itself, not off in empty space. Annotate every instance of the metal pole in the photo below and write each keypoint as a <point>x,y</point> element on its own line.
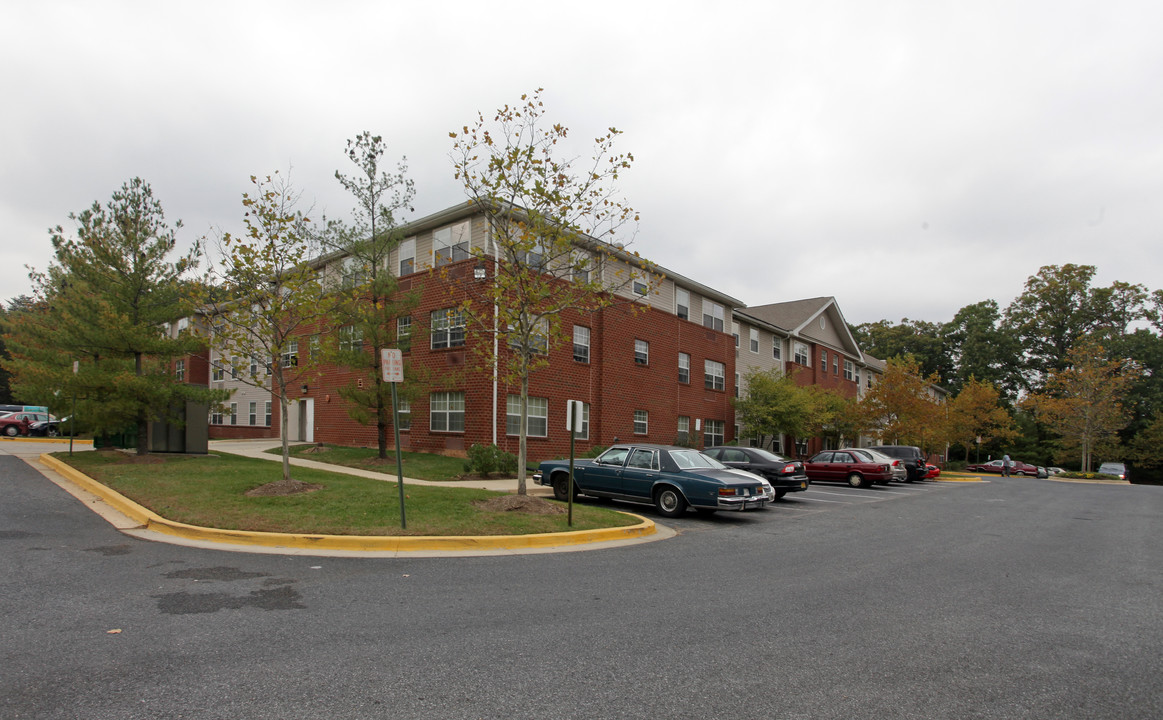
<point>569,487</point>
<point>399,458</point>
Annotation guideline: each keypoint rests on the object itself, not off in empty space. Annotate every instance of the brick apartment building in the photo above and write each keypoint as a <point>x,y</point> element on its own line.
<point>661,374</point>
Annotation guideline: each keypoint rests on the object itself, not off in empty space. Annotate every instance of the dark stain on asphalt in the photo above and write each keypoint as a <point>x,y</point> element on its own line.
<point>278,581</point>
<point>16,534</point>
<point>221,573</point>
<point>109,550</point>
<point>184,603</point>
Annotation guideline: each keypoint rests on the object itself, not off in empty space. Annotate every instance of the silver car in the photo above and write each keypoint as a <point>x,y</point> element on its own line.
<point>899,472</point>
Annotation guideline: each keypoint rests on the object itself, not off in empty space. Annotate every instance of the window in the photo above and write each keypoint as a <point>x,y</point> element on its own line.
<point>233,367</point>
<point>538,416</point>
<point>641,422</point>
<point>350,338</point>
<point>641,288</point>
<point>682,303</point>
<point>776,348</point>
<point>352,272</point>
<point>183,324</point>
<point>404,411</point>
<point>538,340</point>
<point>581,344</point>
<point>849,370</point>
<point>736,384</point>
<point>713,432</point>
<point>824,360</point>
<point>218,372</point>
<point>713,374</point>
<point>290,356</point>
<point>180,370</point>
<point>447,328</point>
<point>684,430</point>
<point>253,414</point>
<point>216,416</point>
<point>408,257</point>
<point>835,364</point>
<point>713,315</point>
<point>253,366</point>
<point>641,352</point>
<point>736,336</point>
<point>856,377</point>
<point>754,333</point>
<point>446,412</point>
<point>450,244</point>
<point>684,368</point>
<point>313,347</point>
<point>233,413</point>
<point>643,459</point>
<point>801,354</point>
<point>583,433</point>
<point>581,268</point>
<point>404,332</point>
<point>267,420</point>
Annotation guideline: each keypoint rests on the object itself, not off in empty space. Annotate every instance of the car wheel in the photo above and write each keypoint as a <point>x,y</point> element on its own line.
<point>11,431</point>
<point>856,480</point>
<point>561,487</point>
<point>779,494</point>
<point>670,502</point>
<point>53,432</point>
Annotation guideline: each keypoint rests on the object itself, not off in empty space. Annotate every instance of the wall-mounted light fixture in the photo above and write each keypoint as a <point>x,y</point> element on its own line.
<point>304,389</point>
<point>479,273</point>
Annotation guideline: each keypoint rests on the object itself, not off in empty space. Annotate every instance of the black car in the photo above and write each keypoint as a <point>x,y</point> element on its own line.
<point>50,428</point>
<point>784,475</point>
<point>915,463</point>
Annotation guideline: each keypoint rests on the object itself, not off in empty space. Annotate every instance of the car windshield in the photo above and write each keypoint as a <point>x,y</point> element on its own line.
<point>760,452</point>
<point>687,459</point>
<point>1111,468</point>
<point>873,455</point>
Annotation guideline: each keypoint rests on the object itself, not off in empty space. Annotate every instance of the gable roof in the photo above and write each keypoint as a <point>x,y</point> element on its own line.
<point>796,318</point>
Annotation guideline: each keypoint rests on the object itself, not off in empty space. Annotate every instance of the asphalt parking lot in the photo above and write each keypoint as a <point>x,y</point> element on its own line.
<point>1014,598</point>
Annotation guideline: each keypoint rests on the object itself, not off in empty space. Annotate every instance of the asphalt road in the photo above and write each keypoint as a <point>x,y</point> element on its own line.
<point>1017,598</point>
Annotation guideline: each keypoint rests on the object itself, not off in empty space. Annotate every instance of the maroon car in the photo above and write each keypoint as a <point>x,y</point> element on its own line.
<point>1017,467</point>
<point>846,466</point>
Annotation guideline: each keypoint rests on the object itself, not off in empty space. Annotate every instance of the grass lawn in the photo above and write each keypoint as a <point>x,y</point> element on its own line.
<point>421,466</point>
<point>210,491</point>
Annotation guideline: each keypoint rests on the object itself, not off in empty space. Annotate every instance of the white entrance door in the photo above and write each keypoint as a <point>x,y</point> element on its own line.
<point>306,429</point>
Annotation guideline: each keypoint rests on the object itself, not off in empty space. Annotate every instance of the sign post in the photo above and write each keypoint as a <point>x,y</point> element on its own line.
<point>392,362</point>
<point>573,423</point>
<point>73,414</point>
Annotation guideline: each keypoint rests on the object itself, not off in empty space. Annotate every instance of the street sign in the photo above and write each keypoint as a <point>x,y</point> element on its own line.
<point>573,415</point>
<point>392,362</point>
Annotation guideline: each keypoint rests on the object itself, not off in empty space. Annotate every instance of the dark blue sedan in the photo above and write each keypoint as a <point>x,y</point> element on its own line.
<point>671,478</point>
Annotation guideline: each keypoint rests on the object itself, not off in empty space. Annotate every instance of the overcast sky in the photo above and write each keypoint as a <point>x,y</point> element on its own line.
<point>907,157</point>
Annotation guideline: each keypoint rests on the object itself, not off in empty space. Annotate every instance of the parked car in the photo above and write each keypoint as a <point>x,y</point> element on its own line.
<point>1117,469</point>
<point>912,457</point>
<point>1051,471</point>
<point>931,471</point>
<point>1017,467</point>
<point>847,466</point>
<point>49,428</point>
<point>671,478</point>
<point>18,423</point>
<point>899,472</point>
<point>784,475</point>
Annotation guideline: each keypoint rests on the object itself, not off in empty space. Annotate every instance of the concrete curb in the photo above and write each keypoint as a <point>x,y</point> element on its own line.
<point>150,521</point>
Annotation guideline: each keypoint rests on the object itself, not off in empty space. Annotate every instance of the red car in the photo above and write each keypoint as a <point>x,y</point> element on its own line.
<point>847,466</point>
<point>1017,467</point>
<point>931,471</point>
<point>15,423</point>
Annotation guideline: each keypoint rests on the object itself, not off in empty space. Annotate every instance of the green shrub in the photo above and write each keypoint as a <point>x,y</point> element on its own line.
<point>488,459</point>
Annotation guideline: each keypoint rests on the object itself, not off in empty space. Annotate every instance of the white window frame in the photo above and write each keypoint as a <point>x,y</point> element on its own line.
<point>446,412</point>
<point>684,429</point>
<point>538,416</point>
<point>252,415</point>
<point>753,334</point>
<point>641,422</point>
<point>404,413</point>
<point>452,244</point>
<point>180,370</point>
<point>290,355</point>
<point>581,343</point>
<point>682,303</point>
<point>407,257</point>
<point>268,413</point>
<point>714,316</point>
<point>641,352</point>
<point>350,338</point>
<point>801,356</point>
<point>684,368</point>
<point>447,328</point>
<point>849,369</point>
<point>710,436</point>
<point>714,375</point>
<point>233,413</point>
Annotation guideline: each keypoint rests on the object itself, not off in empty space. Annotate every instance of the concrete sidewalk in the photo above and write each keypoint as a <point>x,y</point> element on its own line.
<point>259,448</point>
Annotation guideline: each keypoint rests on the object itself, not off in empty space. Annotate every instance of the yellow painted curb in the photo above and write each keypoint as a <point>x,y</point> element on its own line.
<point>150,520</point>
<point>38,439</point>
<point>958,477</point>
